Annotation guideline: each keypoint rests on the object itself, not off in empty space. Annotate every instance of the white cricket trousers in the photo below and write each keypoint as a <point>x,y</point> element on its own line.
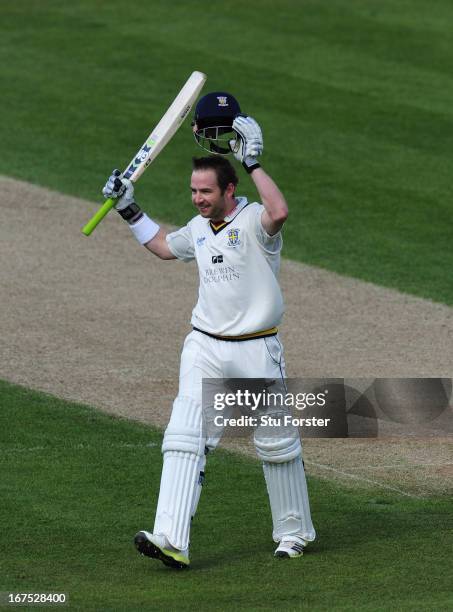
<point>207,357</point>
<point>183,446</point>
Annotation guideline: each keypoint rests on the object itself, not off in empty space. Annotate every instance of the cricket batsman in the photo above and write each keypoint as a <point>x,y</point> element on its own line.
<point>234,325</point>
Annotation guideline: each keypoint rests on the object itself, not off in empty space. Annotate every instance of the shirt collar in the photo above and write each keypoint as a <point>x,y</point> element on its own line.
<point>240,203</point>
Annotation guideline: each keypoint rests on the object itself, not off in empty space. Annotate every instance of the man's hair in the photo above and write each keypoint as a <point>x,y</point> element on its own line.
<point>225,172</point>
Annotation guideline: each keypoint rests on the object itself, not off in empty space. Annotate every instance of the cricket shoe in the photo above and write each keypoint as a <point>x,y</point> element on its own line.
<point>158,547</point>
<point>290,548</point>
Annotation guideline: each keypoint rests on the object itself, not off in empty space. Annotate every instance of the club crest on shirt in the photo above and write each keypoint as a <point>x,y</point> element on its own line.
<point>201,240</point>
<point>233,237</point>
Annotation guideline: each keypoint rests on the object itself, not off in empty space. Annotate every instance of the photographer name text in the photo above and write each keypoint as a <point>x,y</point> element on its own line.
<point>269,421</point>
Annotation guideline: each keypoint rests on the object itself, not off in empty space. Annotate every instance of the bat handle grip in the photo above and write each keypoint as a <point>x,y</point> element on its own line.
<point>97,217</point>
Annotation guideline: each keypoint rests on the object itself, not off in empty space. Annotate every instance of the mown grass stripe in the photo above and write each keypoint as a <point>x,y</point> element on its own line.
<point>68,519</point>
<point>354,98</point>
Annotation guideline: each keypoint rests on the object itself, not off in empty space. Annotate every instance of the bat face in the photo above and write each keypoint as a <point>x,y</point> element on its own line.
<point>167,126</point>
<point>185,111</point>
<point>156,141</point>
<point>142,157</point>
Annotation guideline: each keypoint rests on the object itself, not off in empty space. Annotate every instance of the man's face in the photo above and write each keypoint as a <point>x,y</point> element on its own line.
<point>207,197</point>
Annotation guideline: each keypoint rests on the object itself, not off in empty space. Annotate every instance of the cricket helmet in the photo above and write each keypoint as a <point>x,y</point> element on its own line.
<point>213,120</point>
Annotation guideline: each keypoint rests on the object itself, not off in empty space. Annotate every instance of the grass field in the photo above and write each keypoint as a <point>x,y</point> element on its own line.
<point>77,484</point>
<point>354,98</point>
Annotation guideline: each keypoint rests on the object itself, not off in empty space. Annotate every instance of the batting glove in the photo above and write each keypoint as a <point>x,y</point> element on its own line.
<point>250,143</point>
<point>119,188</point>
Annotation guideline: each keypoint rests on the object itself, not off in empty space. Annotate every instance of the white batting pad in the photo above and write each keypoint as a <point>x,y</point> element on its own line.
<point>199,487</point>
<point>277,449</point>
<point>185,429</point>
<point>288,497</point>
<point>177,489</point>
<point>183,449</point>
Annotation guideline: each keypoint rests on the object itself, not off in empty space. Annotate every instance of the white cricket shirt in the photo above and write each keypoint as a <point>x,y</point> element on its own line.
<point>238,266</point>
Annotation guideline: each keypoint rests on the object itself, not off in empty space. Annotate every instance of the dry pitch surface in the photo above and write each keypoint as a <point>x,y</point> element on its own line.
<point>100,320</point>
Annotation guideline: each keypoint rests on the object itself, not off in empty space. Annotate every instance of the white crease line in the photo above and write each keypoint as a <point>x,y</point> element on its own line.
<point>6,451</point>
<point>373,482</point>
<point>153,444</point>
<point>401,466</point>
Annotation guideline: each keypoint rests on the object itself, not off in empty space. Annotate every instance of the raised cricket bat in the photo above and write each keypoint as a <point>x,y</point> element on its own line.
<point>156,141</point>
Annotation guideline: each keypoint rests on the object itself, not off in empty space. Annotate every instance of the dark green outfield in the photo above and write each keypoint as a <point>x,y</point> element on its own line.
<point>76,485</point>
<point>354,96</point>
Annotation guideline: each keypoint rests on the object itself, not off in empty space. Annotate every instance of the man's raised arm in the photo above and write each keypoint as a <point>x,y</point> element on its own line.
<point>250,147</point>
<point>158,245</point>
<point>275,208</point>
<point>146,231</point>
